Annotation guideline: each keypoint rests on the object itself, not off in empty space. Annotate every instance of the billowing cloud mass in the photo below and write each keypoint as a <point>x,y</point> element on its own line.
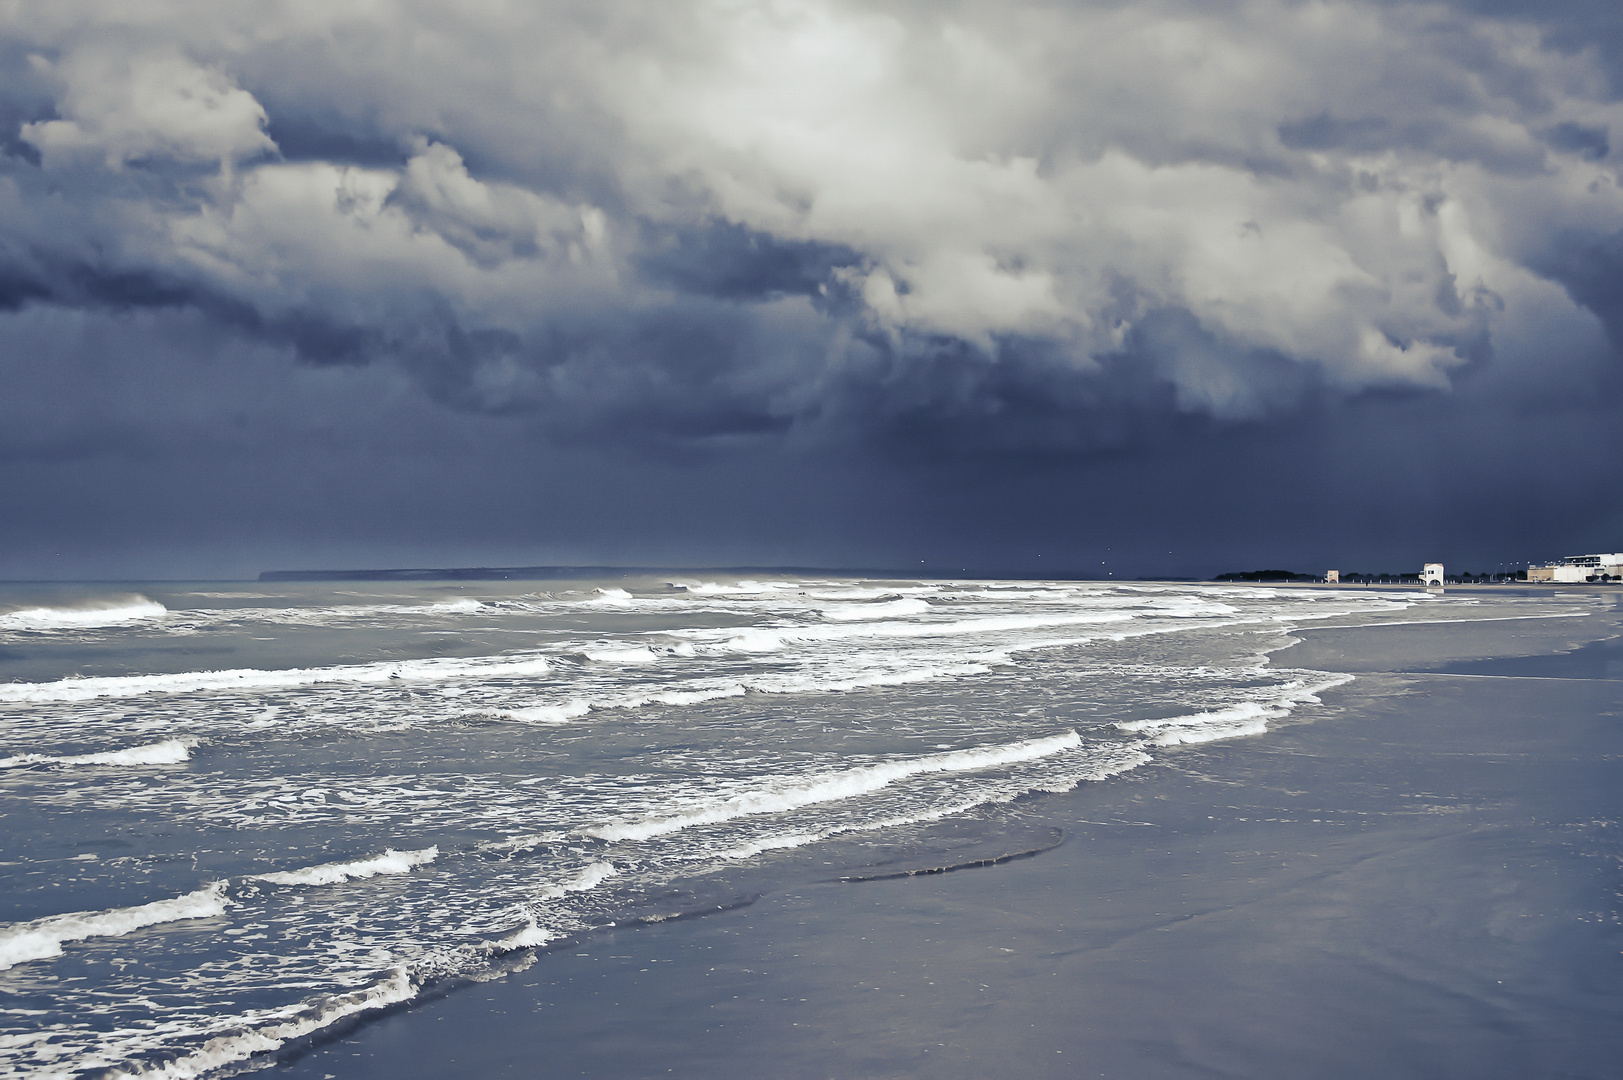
<point>991,239</point>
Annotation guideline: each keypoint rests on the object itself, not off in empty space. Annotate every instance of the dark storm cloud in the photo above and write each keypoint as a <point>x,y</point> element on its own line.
<point>1593,28</point>
<point>301,138</point>
<point>864,245</point>
<point>724,259</point>
<point>1590,142</point>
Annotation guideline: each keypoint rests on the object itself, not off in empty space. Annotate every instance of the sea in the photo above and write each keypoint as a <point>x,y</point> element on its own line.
<point>240,818</point>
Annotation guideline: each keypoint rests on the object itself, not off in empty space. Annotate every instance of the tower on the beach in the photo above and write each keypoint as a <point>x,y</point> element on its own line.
<point>1432,574</point>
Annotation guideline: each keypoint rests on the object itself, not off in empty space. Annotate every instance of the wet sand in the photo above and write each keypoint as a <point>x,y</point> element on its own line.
<point>1420,879</point>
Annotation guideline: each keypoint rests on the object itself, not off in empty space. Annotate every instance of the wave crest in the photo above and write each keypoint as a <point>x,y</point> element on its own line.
<point>168,752</point>
<point>390,862</point>
<point>112,613</point>
<point>781,795</point>
<point>42,939</point>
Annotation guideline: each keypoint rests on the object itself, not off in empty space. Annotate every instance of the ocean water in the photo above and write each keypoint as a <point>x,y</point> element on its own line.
<point>238,817</point>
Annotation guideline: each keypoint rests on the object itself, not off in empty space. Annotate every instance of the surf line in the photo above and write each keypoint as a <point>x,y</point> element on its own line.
<point>779,796</point>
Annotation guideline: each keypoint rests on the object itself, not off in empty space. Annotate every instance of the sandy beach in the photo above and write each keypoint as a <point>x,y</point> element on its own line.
<point>1419,879</point>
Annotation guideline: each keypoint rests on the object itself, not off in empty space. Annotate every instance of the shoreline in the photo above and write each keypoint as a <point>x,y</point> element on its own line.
<point>1419,879</point>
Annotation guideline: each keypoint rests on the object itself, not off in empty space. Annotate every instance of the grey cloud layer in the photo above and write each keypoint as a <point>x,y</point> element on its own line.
<point>984,284</point>
<point>714,217</point>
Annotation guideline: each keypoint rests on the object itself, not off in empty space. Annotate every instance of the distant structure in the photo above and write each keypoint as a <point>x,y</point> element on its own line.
<point>1332,577</point>
<point>1266,575</point>
<point>1575,569</point>
<point>1432,575</point>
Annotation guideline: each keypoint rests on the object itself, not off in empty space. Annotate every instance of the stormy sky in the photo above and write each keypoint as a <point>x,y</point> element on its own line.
<point>1147,288</point>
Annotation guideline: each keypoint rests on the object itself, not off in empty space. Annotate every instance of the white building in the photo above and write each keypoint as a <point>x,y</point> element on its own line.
<point>1332,577</point>
<point>1432,574</point>
<point>1580,568</point>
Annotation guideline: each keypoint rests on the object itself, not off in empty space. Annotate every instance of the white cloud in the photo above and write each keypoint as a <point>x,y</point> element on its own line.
<point>491,223</point>
<point>120,108</point>
<point>1360,192</point>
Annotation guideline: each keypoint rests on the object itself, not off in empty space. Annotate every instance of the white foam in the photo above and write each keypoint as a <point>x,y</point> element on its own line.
<point>871,593</point>
<point>524,843</point>
<point>42,939</point>
<point>758,640</point>
<point>549,714</point>
<point>770,843</point>
<point>527,936</point>
<point>326,615</point>
<point>640,655</point>
<point>1119,763</point>
<point>135,609</point>
<point>742,588</point>
<point>257,679</point>
<point>858,679</point>
<point>229,1049</point>
<point>589,878</point>
<point>1234,722</point>
<point>578,707</point>
<point>390,862</point>
<point>872,678</point>
<point>168,752</point>
<point>691,697</point>
<point>451,607</point>
<point>782,793</point>
<point>1212,733</point>
<point>886,610</point>
<point>1244,712</point>
<point>531,934</point>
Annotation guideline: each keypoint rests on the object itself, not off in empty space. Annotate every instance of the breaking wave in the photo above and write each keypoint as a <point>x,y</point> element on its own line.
<point>700,691</point>
<point>790,794</point>
<point>390,862</point>
<point>42,939</point>
<point>1236,721</point>
<point>168,752</point>
<point>772,640</point>
<point>589,878</point>
<point>887,610</point>
<point>224,1050</point>
<point>255,679</point>
<point>134,609</point>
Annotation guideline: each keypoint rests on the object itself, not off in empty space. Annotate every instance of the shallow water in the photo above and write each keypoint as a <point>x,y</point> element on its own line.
<point>236,815</point>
